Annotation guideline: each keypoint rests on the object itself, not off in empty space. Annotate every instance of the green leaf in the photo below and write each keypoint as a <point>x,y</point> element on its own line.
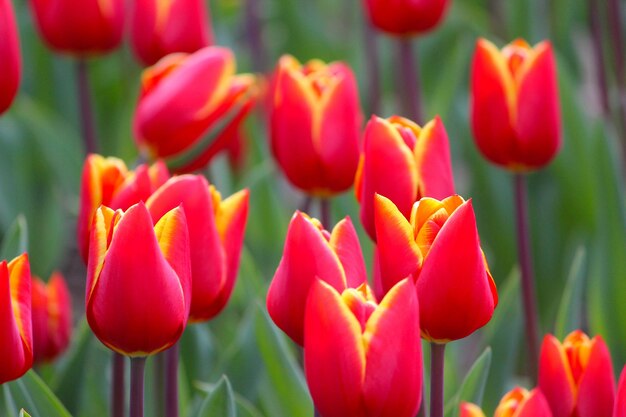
<point>29,392</point>
<point>23,413</point>
<point>220,401</point>
<point>570,314</point>
<point>473,386</point>
<point>15,241</point>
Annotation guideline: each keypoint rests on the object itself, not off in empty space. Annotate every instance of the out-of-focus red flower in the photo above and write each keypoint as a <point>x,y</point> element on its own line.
<point>312,253</point>
<point>362,359</point>
<point>440,249</point>
<point>577,376</point>
<point>10,61</point>
<point>52,317</point>
<point>518,402</point>
<point>107,181</point>
<point>515,108</point>
<point>406,17</point>
<point>315,123</point>
<point>404,163</point>
<point>160,28</point>
<point>81,28</point>
<point>191,107</point>
<point>619,410</point>
<point>16,334</point>
<point>138,280</point>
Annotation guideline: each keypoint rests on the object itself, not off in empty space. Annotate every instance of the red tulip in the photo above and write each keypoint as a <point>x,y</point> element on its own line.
<point>10,62</point>
<point>138,280</point>
<point>191,107</point>
<point>406,17</point>
<point>16,335</point>
<point>310,253</point>
<point>315,122</point>
<point>619,410</point>
<point>52,317</point>
<point>216,230</point>
<point>362,359</point>
<point>440,249</point>
<point>516,403</point>
<point>107,181</point>
<point>515,104</point>
<point>404,163</point>
<point>164,27</point>
<point>80,28</point>
<point>577,376</point>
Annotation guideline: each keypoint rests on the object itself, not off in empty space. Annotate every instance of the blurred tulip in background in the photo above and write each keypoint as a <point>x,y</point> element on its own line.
<point>10,60</point>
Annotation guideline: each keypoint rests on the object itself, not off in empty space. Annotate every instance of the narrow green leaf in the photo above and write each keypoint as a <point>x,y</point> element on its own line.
<point>220,401</point>
<point>31,393</point>
<point>23,413</point>
<point>15,241</point>
<point>473,386</point>
<point>570,314</point>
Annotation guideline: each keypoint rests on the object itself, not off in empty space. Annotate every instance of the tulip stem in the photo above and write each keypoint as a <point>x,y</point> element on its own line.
<point>84,103</point>
<point>528,281</point>
<point>437,354</point>
<point>137,366</point>
<point>159,383</point>
<point>598,51</point>
<point>306,204</point>
<point>316,413</point>
<point>254,34</point>
<point>409,85</point>
<point>373,69</point>
<point>325,212</point>
<point>171,381</point>
<point>117,385</point>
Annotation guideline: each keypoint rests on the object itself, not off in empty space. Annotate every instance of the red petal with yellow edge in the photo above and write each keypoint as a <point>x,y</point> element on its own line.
<point>137,306</point>
<point>104,220</point>
<point>393,373</point>
<point>535,405</point>
<point>538,117</point>
<point>334,354</point>
<point>555,379</point>
<point>59,306</point>
<point>596,389</point>
<point>398,254</point>
<point>492,104</point>
<point>307,256</point>
<point>20,280</point>
<point>470,410</point>
<point>432,156</point>
<point>345,243</point>
<point>453,286</point>
<point>620,400</point>
<point>389,169</point>
<point>208,260</point>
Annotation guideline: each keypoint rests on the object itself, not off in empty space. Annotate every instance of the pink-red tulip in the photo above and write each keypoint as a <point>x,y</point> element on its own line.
<point>518,402</point>
<point>577,376</point>
<point>52,317</point>
<point>312,253</point>
<point>363,359</point>
<point>107,181</point>
<point>315,123</point>
<point>406,17</point>
<point>138,280</point>
<point>16,335</point>
<point>619,410</point>
<point>191,107</point>
<point>515,104</point>
<point>440,249</point>
<point>216,230</point>
<point>160,28</point>
<point>10,62</point>
<point>404,163</point>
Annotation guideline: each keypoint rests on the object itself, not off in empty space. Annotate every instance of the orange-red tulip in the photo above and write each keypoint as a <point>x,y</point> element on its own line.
<point>162,27</point>
<point>440,249</point>
<point>16,335</point>
<point>10,62</point>
<point>515,104</point>
<point>363,359</point>
<point>315,123</point>
<point>107,181</point>
<point>52,317</point>
<point>619,410</point>
<point>404,163</point>
<point>577,376</point>
<point>406,17</point>
<point>310,253</point>
<point>518,402</point>
<point>191,107</point>
<point>138,280</point>
<point>216,230</point>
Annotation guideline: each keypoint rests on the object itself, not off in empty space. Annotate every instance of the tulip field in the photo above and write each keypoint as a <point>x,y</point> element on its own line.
<point>275,208</point>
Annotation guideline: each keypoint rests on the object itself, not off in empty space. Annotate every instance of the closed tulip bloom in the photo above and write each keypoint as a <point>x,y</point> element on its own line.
<point>315,125</point>
<point>191,107</point>
<point>404,163</point>
<point>312,253</point>
<point>576,376</point>
<point>160,28</point>
<point>440,249</point>
<point>138,280</point>
<point>16,335</point>
<point>361,358</point>
<point>406,17</point>
<point>619,410</point>
<point>515,109</point>
<point>10,61</point>
<point>52,317</point>
<point>216,231</point>
<point>518,402</point>
<point>107,181</point>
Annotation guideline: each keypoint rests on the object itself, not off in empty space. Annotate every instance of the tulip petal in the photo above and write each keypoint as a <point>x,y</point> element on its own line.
<point>596,388</point>
<point>432,156</point>
<point>345,243</point>
<point>555,378</point>
<point>620,400</point>
<point>470,410</point>
<point>12,346</point>
<point>59,316</point>
<point>535,405</point>
<point>10,62</point>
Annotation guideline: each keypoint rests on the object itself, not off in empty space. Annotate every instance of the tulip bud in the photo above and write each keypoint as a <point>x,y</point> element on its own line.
<point>315,123</point>
<point>138,280</point>
<point>191,107</point>
<point>16,335</point>
<point>10,62</point>
<point>577,376</point>
<point>515,104</point>
<point>518,402</point>
<point>619,410</point>
<point>440,249</point>
<point>406,17</point>
<point>404,163</point>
